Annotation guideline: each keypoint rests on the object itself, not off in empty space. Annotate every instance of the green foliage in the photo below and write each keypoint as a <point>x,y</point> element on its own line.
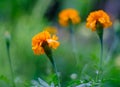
<point>25,18</point>
<point>5,79</point>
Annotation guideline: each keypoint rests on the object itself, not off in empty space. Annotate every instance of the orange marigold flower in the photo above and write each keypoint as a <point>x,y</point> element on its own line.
<point>51,30</point>
<point>69,15</point>
<point>40,38</point>
<point>98,16</point>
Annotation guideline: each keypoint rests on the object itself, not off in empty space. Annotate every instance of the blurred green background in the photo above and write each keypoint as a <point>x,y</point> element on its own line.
<point>25,18</point>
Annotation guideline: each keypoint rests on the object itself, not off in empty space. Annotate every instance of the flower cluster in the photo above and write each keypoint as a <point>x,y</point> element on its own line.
<point>98,16</point>
<point>69,15</point>
<point>66,17</point>
<point>39,39</point>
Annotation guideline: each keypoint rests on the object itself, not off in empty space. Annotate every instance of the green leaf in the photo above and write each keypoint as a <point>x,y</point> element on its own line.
<point>73,83</point>
<point>4,78</point>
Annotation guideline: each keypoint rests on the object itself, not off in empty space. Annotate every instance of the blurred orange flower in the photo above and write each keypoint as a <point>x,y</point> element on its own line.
<point>69,15</point>
<point>98,16</point>
<point>39,39</point>
<point>51,30</point>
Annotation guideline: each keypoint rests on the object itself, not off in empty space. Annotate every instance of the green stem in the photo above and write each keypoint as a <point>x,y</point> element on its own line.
<point>73,40</point>
<point>101,59</point>
<point>100,34</point>
<point>55,68</point>
<point>49,54</point>
<point>9,59</point>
